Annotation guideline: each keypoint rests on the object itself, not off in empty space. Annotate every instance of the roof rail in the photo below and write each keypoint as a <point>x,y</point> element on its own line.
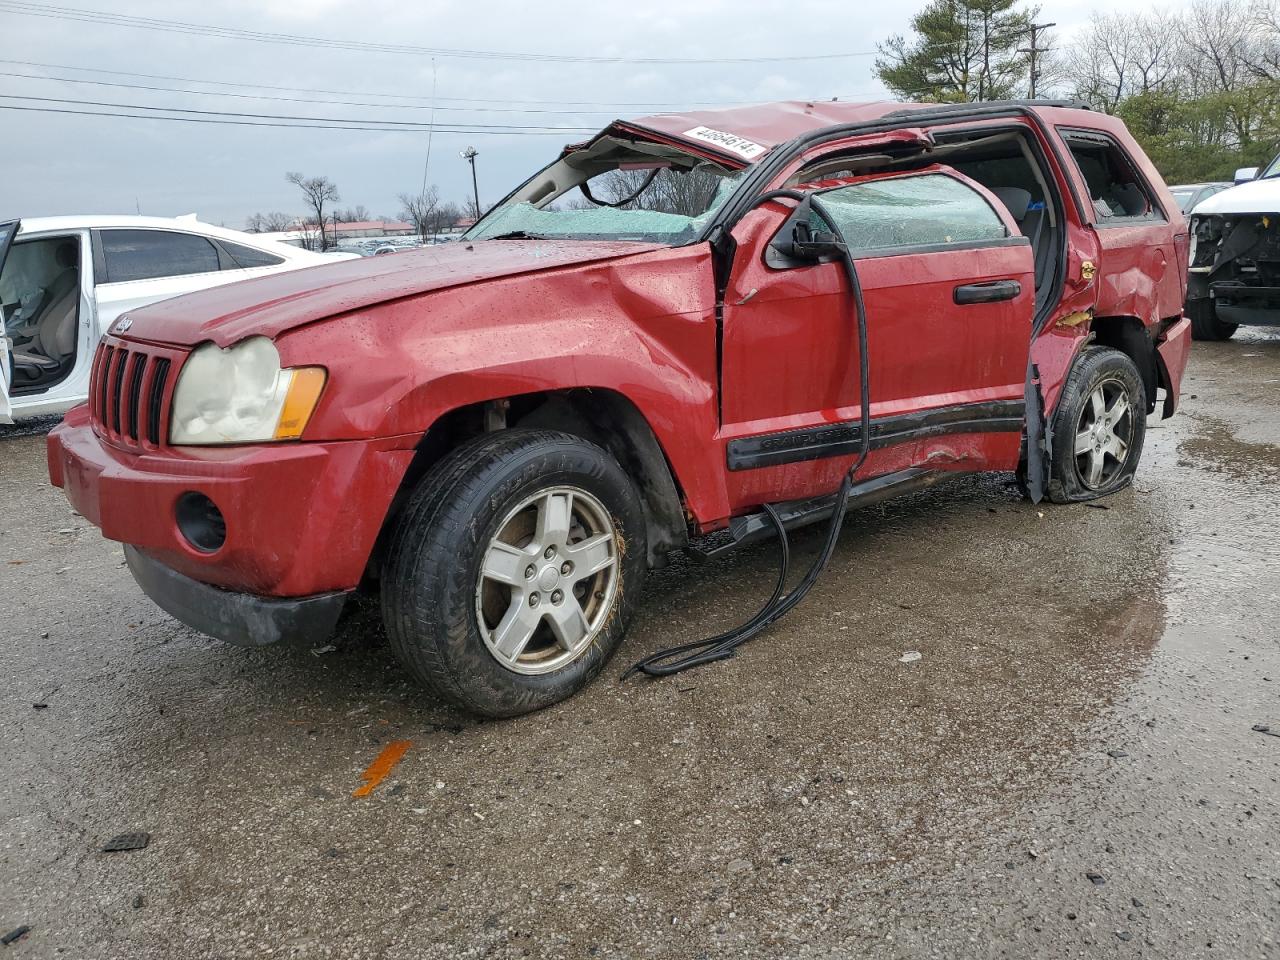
<point>974,106</point>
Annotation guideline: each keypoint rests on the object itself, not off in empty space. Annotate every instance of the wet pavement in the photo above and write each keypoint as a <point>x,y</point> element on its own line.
<point>1069,769</point>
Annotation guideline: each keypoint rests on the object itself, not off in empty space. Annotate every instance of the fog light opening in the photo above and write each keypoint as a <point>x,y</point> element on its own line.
<point>201,522</point>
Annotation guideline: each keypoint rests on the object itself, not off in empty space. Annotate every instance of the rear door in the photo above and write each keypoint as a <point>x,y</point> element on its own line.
<point>949,290</point>
<point>7,232</point>
<point>1141,250</point>
<point>141,266</point>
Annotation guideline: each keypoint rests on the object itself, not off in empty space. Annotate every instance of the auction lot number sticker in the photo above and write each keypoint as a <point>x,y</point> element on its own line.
<point>731,142</point>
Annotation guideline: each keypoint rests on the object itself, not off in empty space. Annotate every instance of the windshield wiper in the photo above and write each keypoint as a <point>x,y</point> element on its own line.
<point>518,235</point>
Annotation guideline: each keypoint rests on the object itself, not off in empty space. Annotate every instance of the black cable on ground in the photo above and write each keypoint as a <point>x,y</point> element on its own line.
<point>679,658</point>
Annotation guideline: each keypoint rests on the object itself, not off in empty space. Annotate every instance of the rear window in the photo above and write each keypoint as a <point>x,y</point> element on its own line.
<point>150,254</point>
<point>1118,193</point>
<point>926,210</point>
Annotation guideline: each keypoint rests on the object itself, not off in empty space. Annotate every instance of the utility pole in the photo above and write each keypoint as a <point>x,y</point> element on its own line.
<point>469,155</point>
<point>1033,52</point>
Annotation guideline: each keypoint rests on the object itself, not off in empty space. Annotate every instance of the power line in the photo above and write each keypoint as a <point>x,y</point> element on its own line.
<point>258,36</point>
<point>260,96</point>
<point>288,126</point>
<point>1033,52</point>
<point>371,93</point>
<point>376,124</point>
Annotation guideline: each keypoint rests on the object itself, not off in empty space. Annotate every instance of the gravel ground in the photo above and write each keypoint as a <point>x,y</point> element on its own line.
<point>1069,769</point>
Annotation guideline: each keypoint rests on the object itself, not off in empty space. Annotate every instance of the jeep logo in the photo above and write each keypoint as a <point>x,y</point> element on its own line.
<point>124,324</point>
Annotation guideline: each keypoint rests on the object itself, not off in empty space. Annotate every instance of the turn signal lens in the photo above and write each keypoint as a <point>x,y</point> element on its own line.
<point>300,402</point>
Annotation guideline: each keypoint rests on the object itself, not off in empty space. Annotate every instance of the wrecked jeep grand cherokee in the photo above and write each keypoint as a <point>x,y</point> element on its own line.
<point>651,344</point>
<point>1235,257</point>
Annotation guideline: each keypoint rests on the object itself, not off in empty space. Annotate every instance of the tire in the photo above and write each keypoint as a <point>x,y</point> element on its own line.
<point>456,596</point>
<point>1205,324</point>
<point>1107,464</point>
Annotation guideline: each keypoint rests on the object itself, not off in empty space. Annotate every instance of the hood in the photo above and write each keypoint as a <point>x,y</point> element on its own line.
<point>1256,196</point>
<point>270,305</point>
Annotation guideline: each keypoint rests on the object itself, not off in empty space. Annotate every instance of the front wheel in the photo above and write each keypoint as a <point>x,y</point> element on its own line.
<point>1098,428</point>
<point>514,570</point>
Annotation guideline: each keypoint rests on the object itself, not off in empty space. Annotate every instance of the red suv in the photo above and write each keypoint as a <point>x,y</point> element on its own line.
<point>645,343</point>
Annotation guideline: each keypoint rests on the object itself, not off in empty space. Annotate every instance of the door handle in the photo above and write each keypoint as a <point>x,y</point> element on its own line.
<point>990,292</point>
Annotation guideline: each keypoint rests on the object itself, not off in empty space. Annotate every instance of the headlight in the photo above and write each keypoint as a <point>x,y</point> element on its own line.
<point>241,395</point>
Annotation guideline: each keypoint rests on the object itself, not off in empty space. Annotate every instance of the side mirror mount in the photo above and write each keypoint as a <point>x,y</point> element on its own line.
<point>813,245</point>
<point>798,244</point>
<point>806,243</point>
<point>1245,174</point>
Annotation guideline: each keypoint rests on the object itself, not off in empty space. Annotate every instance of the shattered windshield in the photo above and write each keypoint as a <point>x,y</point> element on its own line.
<point>650,202</point>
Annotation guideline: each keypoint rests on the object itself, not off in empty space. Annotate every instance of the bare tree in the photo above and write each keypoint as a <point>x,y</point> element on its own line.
<point>672,190</point>
<point>421,210</point>
<point>1266,16</point>
<point>273,222</point>
<point>1200,89</point>
<point>355,214</point>
<point>1102,62</point>
<point>317,191</point>
<point>1159,51</point>
<point>446,215</point>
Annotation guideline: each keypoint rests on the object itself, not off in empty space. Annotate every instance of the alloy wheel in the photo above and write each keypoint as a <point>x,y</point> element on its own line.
<point>1104,434</point>
<point>548,580</point>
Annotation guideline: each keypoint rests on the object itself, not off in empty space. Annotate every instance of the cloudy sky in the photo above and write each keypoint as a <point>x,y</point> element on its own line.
<point>68,163</point>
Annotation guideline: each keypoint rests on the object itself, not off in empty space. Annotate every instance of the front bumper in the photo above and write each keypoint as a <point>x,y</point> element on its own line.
<point>240,618</point>
<point>301,518</point>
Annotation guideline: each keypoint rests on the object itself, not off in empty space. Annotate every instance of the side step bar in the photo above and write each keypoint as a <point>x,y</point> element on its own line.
<point>755,527</point>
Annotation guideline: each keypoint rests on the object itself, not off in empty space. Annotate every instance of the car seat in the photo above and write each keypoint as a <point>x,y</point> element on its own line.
<point>50,318</point>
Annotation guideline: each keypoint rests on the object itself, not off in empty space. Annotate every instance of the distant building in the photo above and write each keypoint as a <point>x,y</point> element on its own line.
<point>375,228</point>
<point>360,228</point>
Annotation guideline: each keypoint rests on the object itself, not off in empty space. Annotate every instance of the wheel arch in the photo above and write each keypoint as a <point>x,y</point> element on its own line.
<point>602,416</point>
<point>1129,335</point>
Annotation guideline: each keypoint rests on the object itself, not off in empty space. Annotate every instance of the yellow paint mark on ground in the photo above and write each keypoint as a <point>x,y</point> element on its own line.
<point>384,763</point>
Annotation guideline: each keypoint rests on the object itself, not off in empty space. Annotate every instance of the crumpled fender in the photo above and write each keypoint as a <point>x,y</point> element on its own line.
<point>643,326</point>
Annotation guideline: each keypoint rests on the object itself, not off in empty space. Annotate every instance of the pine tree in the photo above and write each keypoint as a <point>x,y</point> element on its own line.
<point>962,50</point>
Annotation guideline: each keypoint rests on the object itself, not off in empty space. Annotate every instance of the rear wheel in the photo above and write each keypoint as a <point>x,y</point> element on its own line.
<point>514,570</point>
<point>1098,428</point>
<point>1205,324</point>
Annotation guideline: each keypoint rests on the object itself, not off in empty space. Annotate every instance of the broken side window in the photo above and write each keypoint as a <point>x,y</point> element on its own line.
<point>1117,192</point>
<point>922,210</point>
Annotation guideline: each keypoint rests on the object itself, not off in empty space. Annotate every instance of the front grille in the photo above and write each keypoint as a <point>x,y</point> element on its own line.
<point>128,392</point>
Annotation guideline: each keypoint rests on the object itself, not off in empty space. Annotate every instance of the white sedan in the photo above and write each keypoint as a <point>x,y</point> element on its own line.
<point>65,280</point>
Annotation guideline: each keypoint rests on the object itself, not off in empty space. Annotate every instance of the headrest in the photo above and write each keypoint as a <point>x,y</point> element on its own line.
<point>67,254</point>
<point>1015,198</point>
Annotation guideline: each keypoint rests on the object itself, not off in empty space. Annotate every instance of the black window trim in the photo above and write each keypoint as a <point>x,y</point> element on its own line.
<point>227,259</point>
<point>1097,136</point>
<point>99,251</point>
